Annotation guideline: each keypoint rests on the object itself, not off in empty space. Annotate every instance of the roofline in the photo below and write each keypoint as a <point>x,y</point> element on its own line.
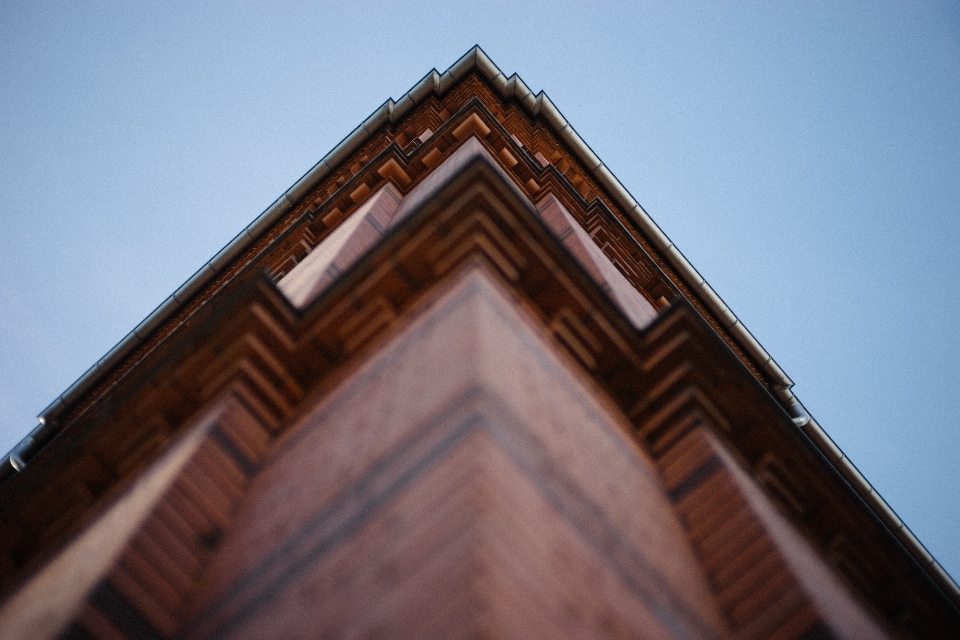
<point>435,83</point>
<point>432,83</point>
<point>849,471</point>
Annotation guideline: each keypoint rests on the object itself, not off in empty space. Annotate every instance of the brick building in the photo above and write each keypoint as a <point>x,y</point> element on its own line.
<point>454,382</point>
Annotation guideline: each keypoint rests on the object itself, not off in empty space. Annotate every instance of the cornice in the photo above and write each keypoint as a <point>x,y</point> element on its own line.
<point>435,84</point>
<point>438,84</point>
<point>285,359</point>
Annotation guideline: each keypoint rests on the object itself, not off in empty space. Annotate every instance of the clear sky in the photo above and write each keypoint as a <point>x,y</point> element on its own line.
<point>806,160</point>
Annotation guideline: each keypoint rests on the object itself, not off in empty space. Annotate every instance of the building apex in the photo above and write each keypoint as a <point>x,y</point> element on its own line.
<point>540,107</point>
<point>439,84</point>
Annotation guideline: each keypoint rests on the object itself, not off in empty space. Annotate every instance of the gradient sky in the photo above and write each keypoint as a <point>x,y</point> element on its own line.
<point>806,160</point>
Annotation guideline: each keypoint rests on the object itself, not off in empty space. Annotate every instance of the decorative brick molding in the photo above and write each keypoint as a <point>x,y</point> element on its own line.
<point>467,169</point>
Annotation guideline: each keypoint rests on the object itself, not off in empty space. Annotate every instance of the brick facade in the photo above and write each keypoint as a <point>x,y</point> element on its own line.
<point>454,391</point>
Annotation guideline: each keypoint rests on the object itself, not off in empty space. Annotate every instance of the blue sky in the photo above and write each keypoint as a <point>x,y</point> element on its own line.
<point>805,159</point>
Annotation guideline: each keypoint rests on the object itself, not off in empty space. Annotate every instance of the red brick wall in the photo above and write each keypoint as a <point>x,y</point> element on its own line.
<point>465,481</point>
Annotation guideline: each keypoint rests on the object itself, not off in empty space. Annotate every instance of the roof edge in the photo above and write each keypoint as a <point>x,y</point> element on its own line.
<point>435,83</point>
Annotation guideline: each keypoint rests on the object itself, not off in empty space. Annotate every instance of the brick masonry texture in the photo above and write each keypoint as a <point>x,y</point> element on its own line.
<point>452,392</point>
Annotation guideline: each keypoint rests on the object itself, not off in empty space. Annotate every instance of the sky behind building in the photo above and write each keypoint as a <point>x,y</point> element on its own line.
<point>805,160</point>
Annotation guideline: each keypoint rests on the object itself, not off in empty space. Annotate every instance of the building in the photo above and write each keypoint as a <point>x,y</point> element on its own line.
<point>454,383</point>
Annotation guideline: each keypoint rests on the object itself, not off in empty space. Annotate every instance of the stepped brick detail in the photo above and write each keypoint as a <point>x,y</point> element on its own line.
<point>450,388</point>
